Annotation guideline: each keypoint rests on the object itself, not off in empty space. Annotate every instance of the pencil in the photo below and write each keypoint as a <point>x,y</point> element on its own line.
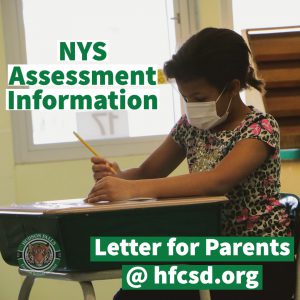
<point>92,150</point>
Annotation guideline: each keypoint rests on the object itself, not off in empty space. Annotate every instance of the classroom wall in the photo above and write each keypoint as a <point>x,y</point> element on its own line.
<point>8,278</point>
<point>72,179</point>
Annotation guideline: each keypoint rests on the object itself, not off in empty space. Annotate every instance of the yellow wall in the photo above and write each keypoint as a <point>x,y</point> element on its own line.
<point>72,179</point>
<point>290,177</point>
<point>9,281</point>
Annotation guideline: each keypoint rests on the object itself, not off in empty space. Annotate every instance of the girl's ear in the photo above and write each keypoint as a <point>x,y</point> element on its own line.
<point>234,87</point>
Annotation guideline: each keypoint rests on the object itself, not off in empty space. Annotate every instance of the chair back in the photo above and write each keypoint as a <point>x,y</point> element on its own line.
<point>292,203</point>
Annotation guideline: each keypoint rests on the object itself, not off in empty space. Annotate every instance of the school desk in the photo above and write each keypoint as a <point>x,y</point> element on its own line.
<point>72,222</point>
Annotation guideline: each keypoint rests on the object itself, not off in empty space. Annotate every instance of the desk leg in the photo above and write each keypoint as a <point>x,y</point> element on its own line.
<point>204,294</point>
<point>26,288</point>
<point>88,290</point>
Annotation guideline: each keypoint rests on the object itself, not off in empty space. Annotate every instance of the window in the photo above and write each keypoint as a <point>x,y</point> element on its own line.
<point>137,32</point>
<point>267,13</point>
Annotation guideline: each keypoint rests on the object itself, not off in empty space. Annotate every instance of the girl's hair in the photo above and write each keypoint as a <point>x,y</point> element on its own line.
<point>218,55</point>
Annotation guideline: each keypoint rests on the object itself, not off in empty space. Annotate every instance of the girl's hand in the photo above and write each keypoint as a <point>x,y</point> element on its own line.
<point>102,168</point>
<point>111,189</point>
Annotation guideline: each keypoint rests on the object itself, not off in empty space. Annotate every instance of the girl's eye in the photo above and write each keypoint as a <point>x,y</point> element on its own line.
<point>195,99</point>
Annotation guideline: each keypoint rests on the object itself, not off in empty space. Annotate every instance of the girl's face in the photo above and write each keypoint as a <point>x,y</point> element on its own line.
<point>199,90</point>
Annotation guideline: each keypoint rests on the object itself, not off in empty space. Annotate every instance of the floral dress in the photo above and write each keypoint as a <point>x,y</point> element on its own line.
<point>253,208</point>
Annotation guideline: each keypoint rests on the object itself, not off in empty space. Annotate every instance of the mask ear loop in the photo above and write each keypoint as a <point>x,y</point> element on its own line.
<point>222,94</point>
<point>229,104</point>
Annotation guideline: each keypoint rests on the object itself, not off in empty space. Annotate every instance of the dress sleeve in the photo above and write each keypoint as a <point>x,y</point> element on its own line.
<point>180,130</point>
<point>264,128</point>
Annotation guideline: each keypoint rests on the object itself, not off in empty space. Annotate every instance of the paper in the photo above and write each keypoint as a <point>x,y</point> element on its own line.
<point>75,203</point>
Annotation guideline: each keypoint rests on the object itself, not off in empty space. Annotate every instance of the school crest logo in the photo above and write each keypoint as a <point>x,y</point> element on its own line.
<point>39,252</point>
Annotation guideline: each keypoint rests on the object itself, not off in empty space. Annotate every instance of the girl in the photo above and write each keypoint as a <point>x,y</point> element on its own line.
<point>232,149</point>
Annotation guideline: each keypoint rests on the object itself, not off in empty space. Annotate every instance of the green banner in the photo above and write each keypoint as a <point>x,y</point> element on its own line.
<point>196,277</point>
<point>185,249</point>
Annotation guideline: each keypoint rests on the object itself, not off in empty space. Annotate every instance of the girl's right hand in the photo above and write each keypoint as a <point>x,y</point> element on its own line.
<point>102,168</point>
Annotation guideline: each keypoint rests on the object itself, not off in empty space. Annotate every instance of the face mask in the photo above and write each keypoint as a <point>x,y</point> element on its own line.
<point>203,115</point>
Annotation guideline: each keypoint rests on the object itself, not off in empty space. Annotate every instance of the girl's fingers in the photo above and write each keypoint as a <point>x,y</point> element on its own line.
<point>104,167</point>
<point>113,171</point>
<point>97,187</point>
<point>98,176</point>
<point>100,167</point>
<point>96,198</point>
<point>97,193</point>
<point>98,160</point>
<point>116,167</point>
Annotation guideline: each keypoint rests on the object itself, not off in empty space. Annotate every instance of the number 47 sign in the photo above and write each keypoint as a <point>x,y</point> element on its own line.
<point>103,125</point>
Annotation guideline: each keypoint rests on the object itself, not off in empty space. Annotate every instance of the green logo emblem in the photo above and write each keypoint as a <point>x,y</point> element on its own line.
<point>39,252</point>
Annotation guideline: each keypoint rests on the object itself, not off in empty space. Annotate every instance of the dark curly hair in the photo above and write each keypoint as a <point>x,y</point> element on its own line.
<point>217,54</point>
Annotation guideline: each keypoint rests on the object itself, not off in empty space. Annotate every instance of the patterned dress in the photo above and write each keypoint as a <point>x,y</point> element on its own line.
<point>253,208</point>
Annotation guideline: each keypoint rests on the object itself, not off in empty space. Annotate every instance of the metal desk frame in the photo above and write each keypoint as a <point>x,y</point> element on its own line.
<point>84,279</point>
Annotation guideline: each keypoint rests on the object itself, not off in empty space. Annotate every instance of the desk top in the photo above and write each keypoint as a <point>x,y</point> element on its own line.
<point>72,206</point>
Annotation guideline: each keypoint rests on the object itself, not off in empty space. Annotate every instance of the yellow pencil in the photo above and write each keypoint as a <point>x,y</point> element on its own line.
<point>92,150</point>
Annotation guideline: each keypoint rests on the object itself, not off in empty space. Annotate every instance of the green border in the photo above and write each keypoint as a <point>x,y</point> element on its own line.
<point>290,154</point>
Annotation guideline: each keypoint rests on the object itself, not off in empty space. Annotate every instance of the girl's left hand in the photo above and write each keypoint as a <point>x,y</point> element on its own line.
<point>111,189</point>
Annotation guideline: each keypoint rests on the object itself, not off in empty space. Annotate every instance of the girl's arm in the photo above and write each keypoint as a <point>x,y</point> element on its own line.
<point>245,157</point>
<point>159,164</point>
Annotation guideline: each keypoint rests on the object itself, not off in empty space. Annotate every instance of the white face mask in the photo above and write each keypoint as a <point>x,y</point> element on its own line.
<point>203,115</point>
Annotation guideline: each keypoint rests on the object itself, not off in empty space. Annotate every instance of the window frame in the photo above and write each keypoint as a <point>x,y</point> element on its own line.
<point>25,150</point>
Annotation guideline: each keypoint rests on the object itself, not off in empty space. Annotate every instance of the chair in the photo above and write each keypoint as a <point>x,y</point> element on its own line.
<point>292,203</point>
